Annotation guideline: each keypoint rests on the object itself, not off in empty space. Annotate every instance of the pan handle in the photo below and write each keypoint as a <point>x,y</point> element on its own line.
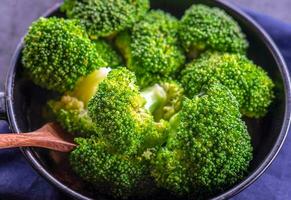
<point>2,106</point>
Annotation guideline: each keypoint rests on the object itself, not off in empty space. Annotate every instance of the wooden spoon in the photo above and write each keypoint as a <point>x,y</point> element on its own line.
<point>49,136</point>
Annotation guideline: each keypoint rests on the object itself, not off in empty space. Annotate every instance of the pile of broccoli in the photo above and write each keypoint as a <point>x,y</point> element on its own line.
<point>154,102</point>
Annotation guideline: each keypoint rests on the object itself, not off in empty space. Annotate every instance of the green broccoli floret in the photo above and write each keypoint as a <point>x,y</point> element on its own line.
<point>71,111</point>
<point>203,28</point>
<point>57,52</point>
<point>119,110</point>
<point>208,147</point>
<point>118,157</point>
<point>151,48</point>
<point>96,162</point>
<point>105,17</point>
<point>248,82</point>
<point>107,53</point>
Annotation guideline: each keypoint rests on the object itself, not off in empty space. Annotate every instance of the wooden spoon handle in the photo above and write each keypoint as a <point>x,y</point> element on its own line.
<point>35,139</point>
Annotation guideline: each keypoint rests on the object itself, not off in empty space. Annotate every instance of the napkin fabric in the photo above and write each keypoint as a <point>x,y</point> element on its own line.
<point>19,181</point>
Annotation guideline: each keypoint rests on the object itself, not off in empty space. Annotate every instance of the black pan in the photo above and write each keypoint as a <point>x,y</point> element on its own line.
<point>22,104</point>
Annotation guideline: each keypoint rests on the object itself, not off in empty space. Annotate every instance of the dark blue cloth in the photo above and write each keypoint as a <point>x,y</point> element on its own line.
<point>275,183</point>
<point>19,181</point>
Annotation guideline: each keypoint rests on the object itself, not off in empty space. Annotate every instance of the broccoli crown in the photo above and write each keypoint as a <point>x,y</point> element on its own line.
<point>208,147</point>
<point>248,82</point>
<point>54,42</point>
<point>108,54</point>
<point>118,157</point>
<point>71,114</point>
<point>151,48</point>
<point>71,111</point>
<point>105,17</point>
<point>118,108</point>
<point>97,163</point>
<point>203,28</point>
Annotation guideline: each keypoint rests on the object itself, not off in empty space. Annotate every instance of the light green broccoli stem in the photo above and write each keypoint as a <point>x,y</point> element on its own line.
<point>155,97</point>
<point>87,86</point>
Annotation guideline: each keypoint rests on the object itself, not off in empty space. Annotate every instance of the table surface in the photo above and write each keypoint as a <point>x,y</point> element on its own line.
<point>17,15</point>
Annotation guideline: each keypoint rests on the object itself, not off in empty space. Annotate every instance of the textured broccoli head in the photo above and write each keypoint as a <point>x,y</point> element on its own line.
<point>128,135</point>
<point>118,109</point>
<point>203,28</point>
<point>208,148</point>
<point>105,17</point>
<point>97,163</point>
<point>107,53</point>
<point>248,82</point>
<point>71,110</point>
<point>151,48</point>
<point>57,52</point>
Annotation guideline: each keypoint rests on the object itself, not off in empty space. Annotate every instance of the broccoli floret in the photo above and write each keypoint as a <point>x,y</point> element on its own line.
<point>71,111</point>
<point>57,52</point>
<point>151,48</point>
<point>119,110</point>
<point>208,147</point>
<point>105,17</point>
<point>118,157</point>
<point>108,54</point>
<point>96,162</point>
<point>203,28</point>
<point>248,82</point>
<point>71,114</point>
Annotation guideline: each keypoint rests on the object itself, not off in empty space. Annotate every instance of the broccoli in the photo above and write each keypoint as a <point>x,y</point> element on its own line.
<point>71,111</point>
<point>72,115</point>
<point>107,53</point>
<point>208,148</point>
<point>96,162</point>
<point>151,48</point>
<point>118,156</point>
<point>248,82</point>
<point>119,109</point>
<point>57,52</point>
<point>105,17</point>
<point>172,102</point>
<point>203,28</point>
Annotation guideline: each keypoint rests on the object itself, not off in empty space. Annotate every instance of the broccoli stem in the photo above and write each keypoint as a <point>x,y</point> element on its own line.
<point>87,86</point>
<point>155,97</point>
